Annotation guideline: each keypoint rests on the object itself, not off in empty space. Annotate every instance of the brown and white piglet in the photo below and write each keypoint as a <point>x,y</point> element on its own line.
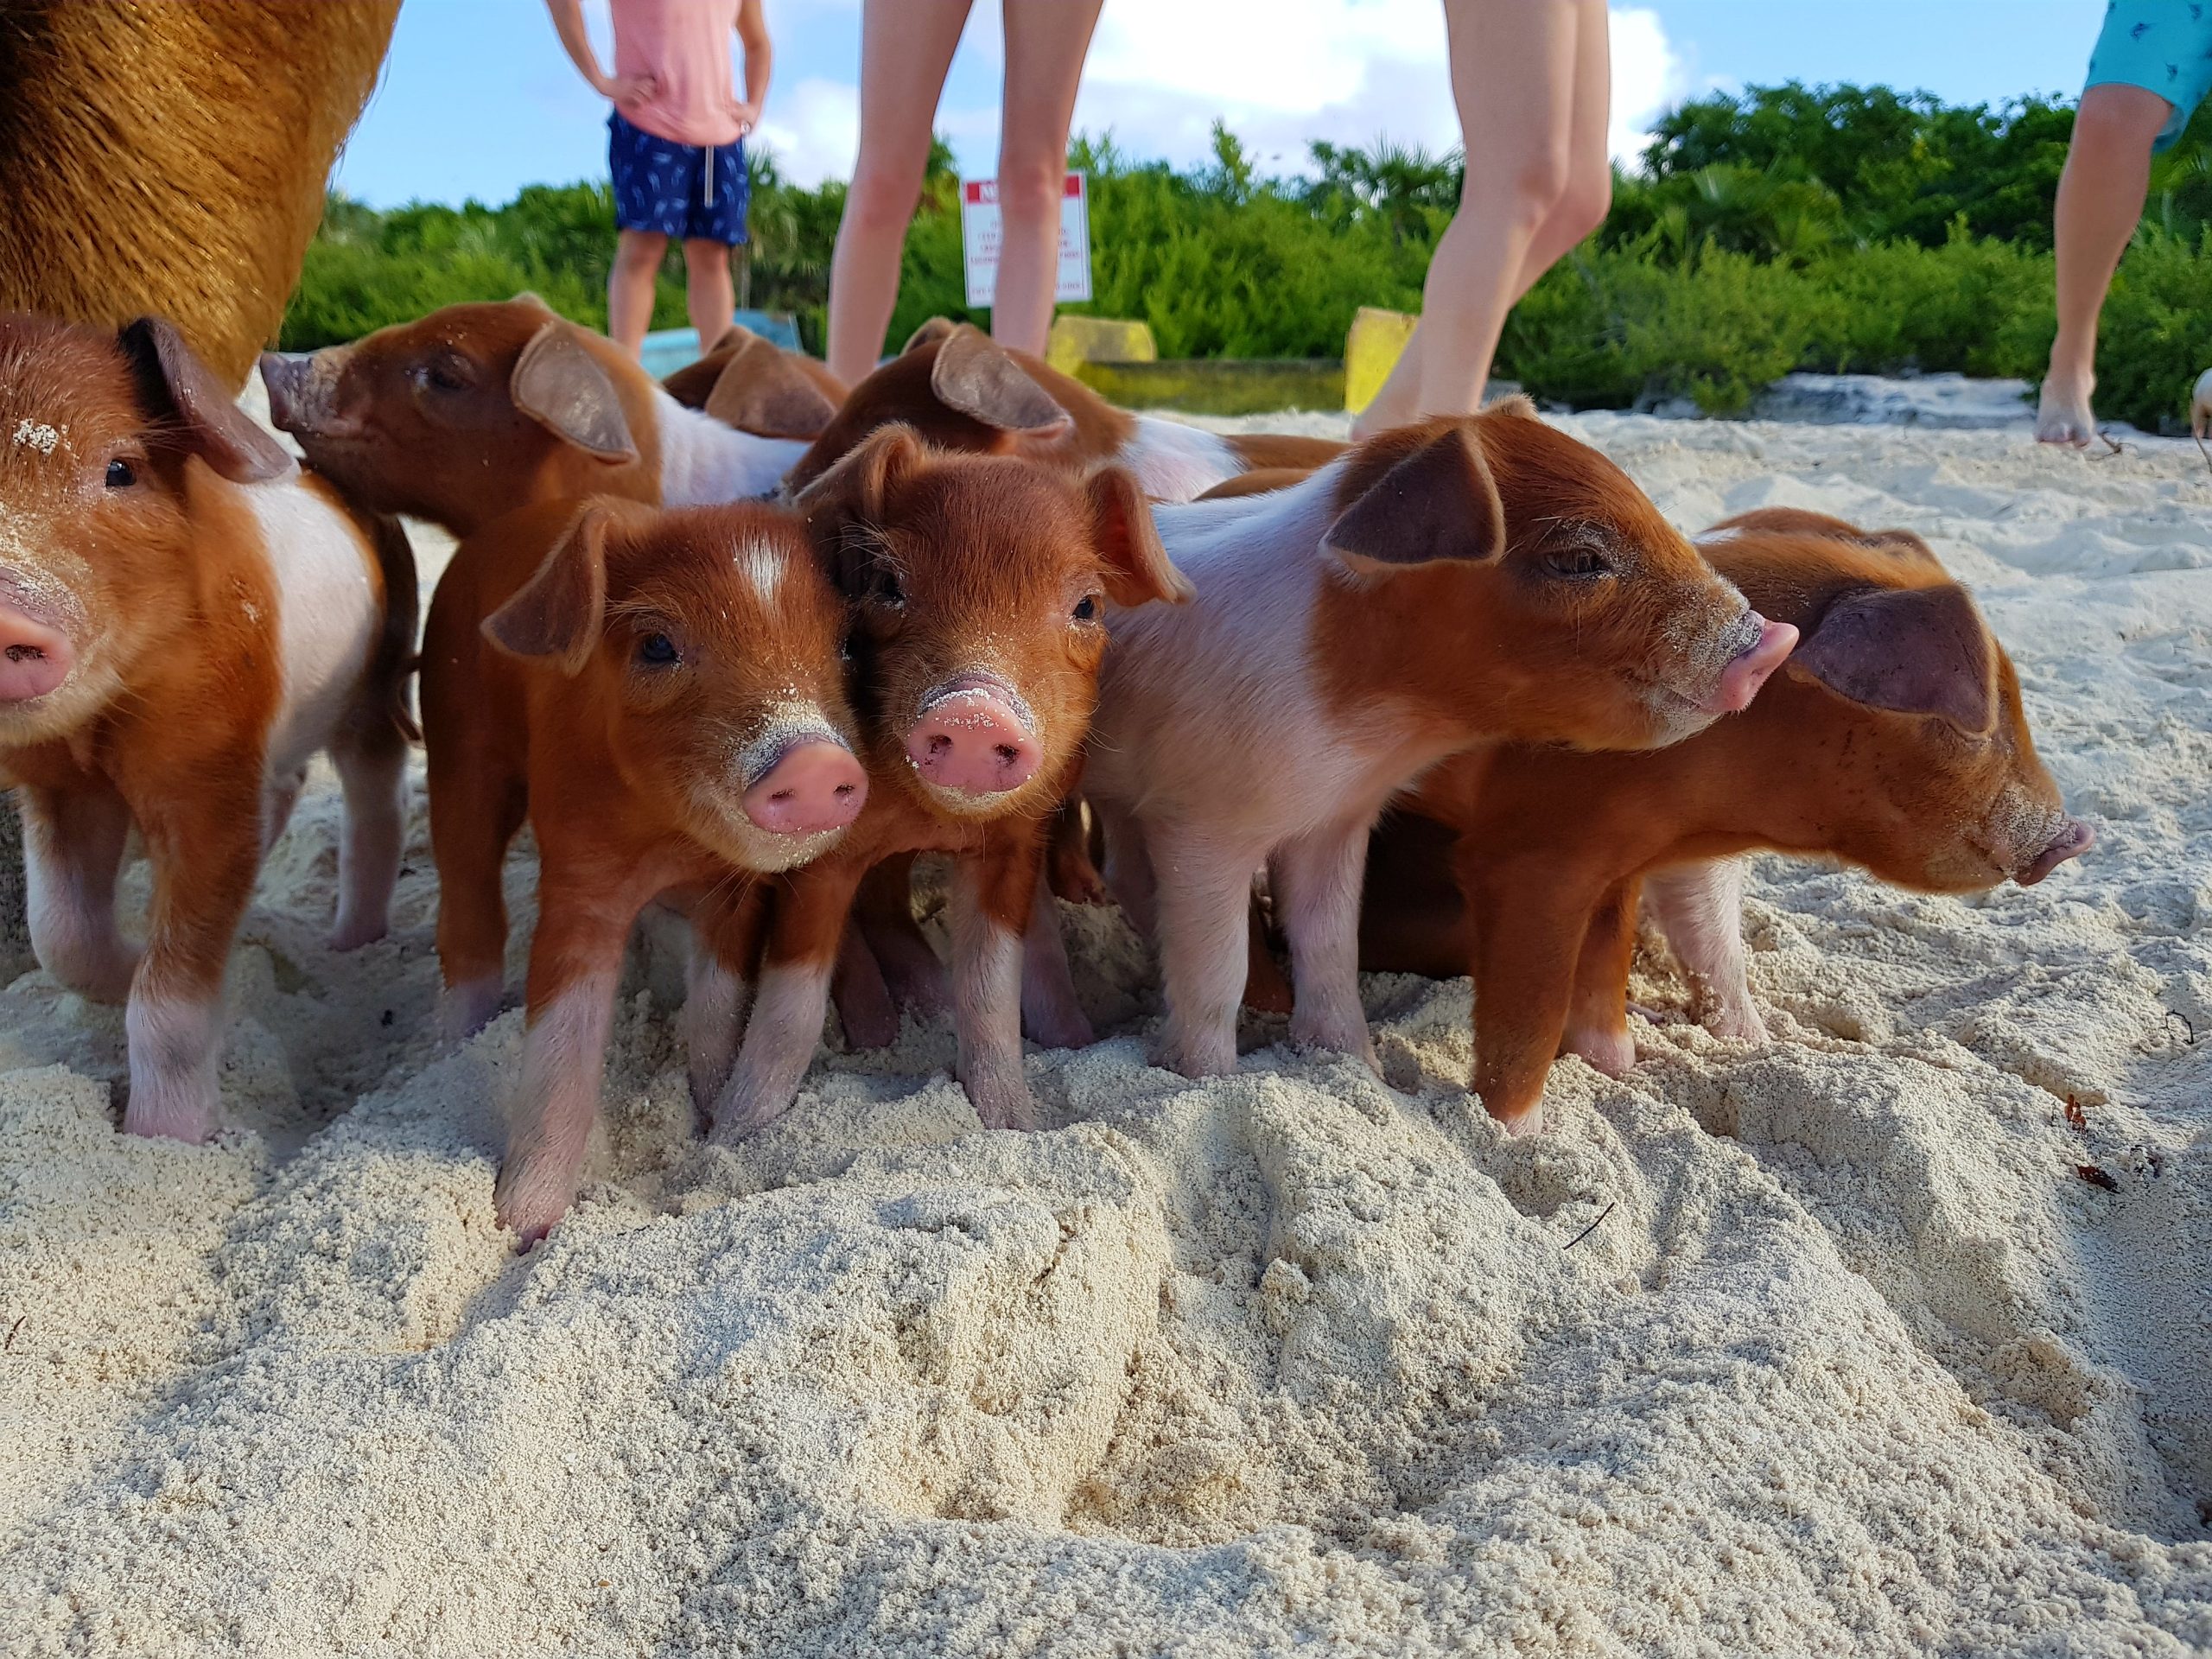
<point>477,409</point>
<point>1466,579</point>
<point>186,619</point>
<point>983,585</point>
<point>959,389</point>
<point>662,695</point>
<point>1893,739</point>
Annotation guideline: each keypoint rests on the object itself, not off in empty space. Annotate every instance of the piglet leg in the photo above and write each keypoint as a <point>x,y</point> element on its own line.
<point>575,960</point>
<point>992,900</point>
<point>883,912</point>
<point>204,845</point>
<point>472,821</point>
<point>1049,1010</point>
<point>809,910</point>
<point>1529,920</point>
<point>372,775</point>
<point>72,850</point>
<point>1204,894</point>
<point>1596,1021</point>
<point>1700,907</point>
<point>1316,886</point>
<point>725,933</point>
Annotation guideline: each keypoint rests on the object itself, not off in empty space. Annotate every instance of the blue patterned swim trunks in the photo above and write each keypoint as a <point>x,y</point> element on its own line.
<point>2162,45</point>
<point>693,192</point>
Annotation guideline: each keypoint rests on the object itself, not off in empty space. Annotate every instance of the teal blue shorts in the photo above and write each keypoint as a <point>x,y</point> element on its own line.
<point>2162,45</point>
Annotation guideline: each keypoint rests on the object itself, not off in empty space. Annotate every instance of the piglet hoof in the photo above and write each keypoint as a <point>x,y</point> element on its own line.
<point>351,932</point>
<point>1529,1120</point>
<point>466,1009</point>
<point>735,1120</point>
<point>163,1115</point>
<point>1610,1050</point>
<point>1051,1027</point>
<point>867,1015</point>
<point>918,985</point>
<point>1736,1023</point>
<point>1006,1107</point>
<point>528,1199</point>
<point>1326,1039</point>
<point>1194,1056</point>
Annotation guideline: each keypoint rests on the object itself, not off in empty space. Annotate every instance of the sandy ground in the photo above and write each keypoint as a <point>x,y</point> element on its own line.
<point>1825,1346</point>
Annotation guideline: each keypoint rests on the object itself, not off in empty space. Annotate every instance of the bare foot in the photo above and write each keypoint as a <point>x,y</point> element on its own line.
<point>2063,415</point>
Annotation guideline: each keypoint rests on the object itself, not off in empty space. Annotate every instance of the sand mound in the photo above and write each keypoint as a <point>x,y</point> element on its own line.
<point>1826,1345</point>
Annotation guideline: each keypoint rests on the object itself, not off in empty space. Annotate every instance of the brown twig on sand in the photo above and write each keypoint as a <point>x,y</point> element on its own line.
<point>2201,450</point>
<point>2096,1177</point>
<point>1591,1229</point>
<point>2176,1014</point>
<point>2077,1118</point>
<point>2112,447</point>
<point>8,1346</point>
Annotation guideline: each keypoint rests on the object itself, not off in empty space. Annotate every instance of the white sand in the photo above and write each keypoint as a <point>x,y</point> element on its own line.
<point>1852,1360</point>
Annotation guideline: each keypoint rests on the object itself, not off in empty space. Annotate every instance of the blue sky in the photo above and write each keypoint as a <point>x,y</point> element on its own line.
<point>478,99</point>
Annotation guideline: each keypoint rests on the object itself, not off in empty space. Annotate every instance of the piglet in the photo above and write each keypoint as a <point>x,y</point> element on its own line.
<point>477,409</point>
<point>1472,578</point>
<point>983,586</point>
<point>185,619</point>
<point>959,389</point>
<point>1893,739</point>
<point>661,694</point>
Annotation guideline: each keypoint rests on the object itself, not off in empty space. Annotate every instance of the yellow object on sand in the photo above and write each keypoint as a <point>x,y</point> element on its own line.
<point>1098,340</point>
<point>1372,347</point>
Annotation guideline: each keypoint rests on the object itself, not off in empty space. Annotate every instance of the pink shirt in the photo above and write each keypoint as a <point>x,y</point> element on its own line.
<point>685,44</point>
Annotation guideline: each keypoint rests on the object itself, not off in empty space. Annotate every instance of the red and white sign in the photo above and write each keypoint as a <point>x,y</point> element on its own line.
<point>979,239</point>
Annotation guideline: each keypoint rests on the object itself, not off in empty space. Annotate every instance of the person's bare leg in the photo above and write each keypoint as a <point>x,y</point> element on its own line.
<point>708,295</point>
<point>2099,200</point>
<point>1520,77</point>
<point>630,287</point>
<point>906,49</point>
<point>1045,43</point>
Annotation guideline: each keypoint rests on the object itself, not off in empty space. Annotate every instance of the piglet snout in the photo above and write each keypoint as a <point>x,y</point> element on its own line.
<point>1741,680</point>
<point>34,658</point>
<point>972,738</point>
<point>813,785</point>
<point>2071,842</point>
<point>293,406</point>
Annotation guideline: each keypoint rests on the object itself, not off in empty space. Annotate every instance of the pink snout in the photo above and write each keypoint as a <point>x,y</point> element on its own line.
<point>1741,680</point>
<point>815,785</point>
<point>34,658</point>
<point>971,741</point>
<point>2072,841</point>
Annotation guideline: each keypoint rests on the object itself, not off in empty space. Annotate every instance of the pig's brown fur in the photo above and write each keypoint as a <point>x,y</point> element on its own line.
<point>901,392</point>
<point>1551,845</point>
<point>171,157</point>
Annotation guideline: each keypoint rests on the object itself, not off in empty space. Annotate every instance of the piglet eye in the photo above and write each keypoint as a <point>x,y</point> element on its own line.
<point>121,475</point>
<point>657,651</point>
<point>1579,561</point>
<point>443,376</point>
<point>1087,609</point>
<point>887,590</point>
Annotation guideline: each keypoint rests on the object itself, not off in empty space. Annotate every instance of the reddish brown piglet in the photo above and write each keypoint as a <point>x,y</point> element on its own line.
<point>983,585</point>
<point>959,389</point>
<point>1893,739</point>
<point>186,619</point>
<point>477,409</point>
<point>662,695</point>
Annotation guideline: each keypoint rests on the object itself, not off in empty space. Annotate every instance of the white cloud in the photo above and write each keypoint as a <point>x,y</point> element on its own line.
<point>1162,72</point>
<point>814,128</point>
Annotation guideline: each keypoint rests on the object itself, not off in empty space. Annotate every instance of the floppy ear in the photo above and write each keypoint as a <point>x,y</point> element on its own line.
<point>762,391</point>
<point>1137,567</point>
<point>1915,650</point>
<point>974,375</point>
<point>555,617</point>
<point>1438,503</point>
<point>851,496</point>
<point>561,386</point>
<point>935,328</point>
<point>1903,543</point>
<point>207,421</point>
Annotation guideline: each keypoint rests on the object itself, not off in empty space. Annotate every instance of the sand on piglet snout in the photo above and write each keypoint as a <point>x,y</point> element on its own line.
<point>1854,1358</point>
